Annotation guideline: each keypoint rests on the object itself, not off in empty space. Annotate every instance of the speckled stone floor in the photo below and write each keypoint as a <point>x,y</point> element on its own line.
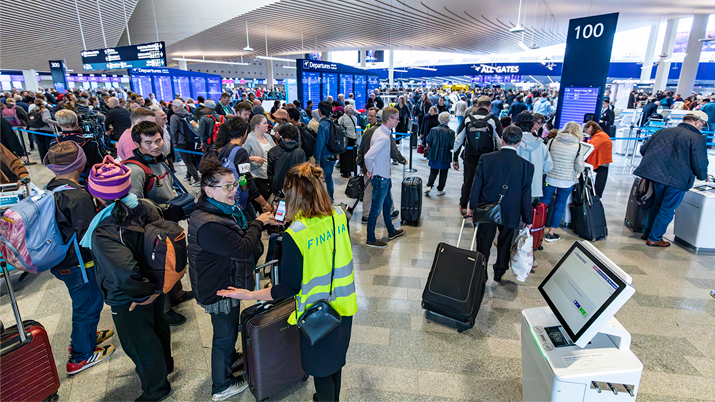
<point>396,354</point>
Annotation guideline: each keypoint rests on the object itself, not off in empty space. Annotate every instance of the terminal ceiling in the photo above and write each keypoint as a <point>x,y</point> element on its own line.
<point>218,32</point>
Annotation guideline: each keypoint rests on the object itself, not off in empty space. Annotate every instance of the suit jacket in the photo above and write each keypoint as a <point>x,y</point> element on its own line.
<point>607,119</point>
<point>492,173</point>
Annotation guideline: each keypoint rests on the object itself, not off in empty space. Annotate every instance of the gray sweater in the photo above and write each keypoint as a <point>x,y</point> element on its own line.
<point>163,189</point>
<point>253,147</point>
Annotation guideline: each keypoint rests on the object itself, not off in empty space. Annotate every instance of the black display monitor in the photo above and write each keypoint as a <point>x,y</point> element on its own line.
<point>144,55</point>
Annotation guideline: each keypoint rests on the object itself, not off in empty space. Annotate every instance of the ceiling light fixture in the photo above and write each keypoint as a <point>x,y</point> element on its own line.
<point>233,63</point>
<point>289,67</point>
<point>274,58</point>
<point>399,71</point>
<point>518,28</point>
<point>706,39</point>
<point>523,46</point>
<point>248,48</point>
<point>423,68</point>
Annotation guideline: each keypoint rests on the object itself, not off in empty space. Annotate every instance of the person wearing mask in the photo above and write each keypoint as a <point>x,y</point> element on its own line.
<point>377,164</point>
<point>223,248</point>
<point>222,108</point>
<point>601,156</point>
<point>517,107</point>
<point>74,211</point>
<point>324,158</point>
<point>115,238</point>
<point>567,156</point>
<point>283,157</point>
<point>207,122</point>
<point>41,112</point>
<point>438,147</point>
<point>125,145</point>
<point>347,159</point>
<point>257,144</point>
<point>532,149</point>
<point>306,262</point>
<point>71,131</point>
<point>672,159</point>
<point>178,122</point>
<point>494,171</point>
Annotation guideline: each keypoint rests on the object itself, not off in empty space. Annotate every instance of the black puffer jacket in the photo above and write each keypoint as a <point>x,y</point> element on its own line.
<point>674,157</point>
<point>221,254</point>
<point>281,158</point>
<point>74,211</point>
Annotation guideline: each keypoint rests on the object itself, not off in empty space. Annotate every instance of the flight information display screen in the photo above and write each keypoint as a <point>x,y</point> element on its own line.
<point>373,82</point>
<point>578,102</point>
<point>140,83</point>
<point>311,87</point>
<point>198,87</point>
<point>162,88</point>
<point>182,86</point>
<point>360,91</point>
<point>215,90</point>
<point>346,84</point>
<point>145,55</point>
<point>330,85</point>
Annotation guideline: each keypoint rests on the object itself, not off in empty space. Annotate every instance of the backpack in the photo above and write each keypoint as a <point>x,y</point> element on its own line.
<point>337,140</point>
<point>35,119</point>
<point>165,253</point>
<point>10,114</point>
<point>149,176</point>
<point>308,138</point>
<point>189,132</point>
<point>217,125</point>
<point>480,134</point>
<point>30,239</point>
<point>228,162</point>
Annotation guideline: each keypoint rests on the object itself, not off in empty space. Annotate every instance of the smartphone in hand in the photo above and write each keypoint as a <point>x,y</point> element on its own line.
<point>281,211</point>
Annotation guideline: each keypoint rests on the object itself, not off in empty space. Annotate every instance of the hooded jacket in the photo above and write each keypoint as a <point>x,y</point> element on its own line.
<point>543,106</point>
<point>567,155</point>
<point>176,127</point>
<point>534,150</point>
<point>281,158</point>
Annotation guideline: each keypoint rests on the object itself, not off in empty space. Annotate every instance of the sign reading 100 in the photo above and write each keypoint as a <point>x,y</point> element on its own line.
<point>589,30</point>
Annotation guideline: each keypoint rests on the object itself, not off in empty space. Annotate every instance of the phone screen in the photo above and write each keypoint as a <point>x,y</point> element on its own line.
<point>281,211</point>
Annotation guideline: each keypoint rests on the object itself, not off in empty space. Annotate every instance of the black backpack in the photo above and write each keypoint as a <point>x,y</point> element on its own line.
<point>337,140</point>
<point>480,134</point>
<point>308,138</point>
<point>35,119</point>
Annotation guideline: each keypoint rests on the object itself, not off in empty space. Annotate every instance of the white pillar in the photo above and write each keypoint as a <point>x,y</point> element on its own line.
<point>182,65</point>
<point>661,75</point>
<point>269,73</point>
<point>325,56</point>
<point>391,70</point>
<point>650,50</point>
<point>30,80</point>
<point>692,56</point>
<point>363,55</point>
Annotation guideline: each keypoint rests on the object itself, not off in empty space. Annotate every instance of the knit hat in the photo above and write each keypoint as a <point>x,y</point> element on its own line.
<point>65,157</point>
<point>109,180</point>
<point>258,110</point>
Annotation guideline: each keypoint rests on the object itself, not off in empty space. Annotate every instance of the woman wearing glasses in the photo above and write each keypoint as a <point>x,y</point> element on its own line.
<point>222,249</point>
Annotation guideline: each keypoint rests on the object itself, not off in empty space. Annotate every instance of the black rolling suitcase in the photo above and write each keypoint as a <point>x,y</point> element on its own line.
<point>456,283</point>
<point>637,207</point>
<point>411,205</point>
<point>588,218</point>
<point>271,347</point>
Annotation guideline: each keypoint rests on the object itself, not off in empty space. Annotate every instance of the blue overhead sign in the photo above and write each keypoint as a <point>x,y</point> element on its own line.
<point>319,79</point>
<point>165,83</point>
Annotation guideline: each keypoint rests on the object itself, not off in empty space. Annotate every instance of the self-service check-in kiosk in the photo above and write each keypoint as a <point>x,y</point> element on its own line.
<point>695,218</point>
<point>574,349</point>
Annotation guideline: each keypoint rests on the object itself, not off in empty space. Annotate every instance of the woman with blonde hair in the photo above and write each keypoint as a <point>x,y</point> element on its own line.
<point>567,156</point>
<point>317,268</point>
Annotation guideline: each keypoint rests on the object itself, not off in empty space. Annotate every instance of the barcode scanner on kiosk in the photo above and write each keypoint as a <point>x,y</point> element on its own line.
<point>574,349</point>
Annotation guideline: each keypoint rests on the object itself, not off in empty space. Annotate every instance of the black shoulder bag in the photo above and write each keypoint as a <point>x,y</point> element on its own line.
<point>321,317</point>
<point>490,212</point>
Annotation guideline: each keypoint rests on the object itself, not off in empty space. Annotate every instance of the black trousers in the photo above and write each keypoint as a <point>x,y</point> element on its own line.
<point>189,159</point>
<point>470,169</point>
<point>442,178</point>
<point>176,293</point>
<point>264,187</point>
<point>485,237</point>
<point>223,349</point>
<point>328,388</point>
<point>601,177</point>
<point>347,160</point>
<point>146,339</point>
<point>43,144</point>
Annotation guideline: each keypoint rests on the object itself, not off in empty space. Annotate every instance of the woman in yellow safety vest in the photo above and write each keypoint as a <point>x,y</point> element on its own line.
<point>305,271</point>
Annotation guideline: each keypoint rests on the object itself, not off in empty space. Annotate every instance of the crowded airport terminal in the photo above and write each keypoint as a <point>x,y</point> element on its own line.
<point>364,200</point>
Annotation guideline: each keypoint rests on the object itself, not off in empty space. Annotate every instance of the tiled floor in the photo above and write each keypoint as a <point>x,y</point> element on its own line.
<point>398,355</point>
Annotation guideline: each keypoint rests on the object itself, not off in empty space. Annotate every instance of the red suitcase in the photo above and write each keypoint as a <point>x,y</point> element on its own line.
<point>27,367</point>
<point>538,224</point>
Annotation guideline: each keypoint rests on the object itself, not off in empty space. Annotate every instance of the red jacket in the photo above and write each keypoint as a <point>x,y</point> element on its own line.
<point>602,150</point>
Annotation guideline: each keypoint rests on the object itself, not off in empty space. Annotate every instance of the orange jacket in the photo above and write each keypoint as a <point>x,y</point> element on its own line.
<point>602,150</point>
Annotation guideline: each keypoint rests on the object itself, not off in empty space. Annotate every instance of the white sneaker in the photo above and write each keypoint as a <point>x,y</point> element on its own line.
<point>179,163</point>
<point>429,188</point>
<point>236,388</point>
<point>441,192</point>
<point>195,184</point>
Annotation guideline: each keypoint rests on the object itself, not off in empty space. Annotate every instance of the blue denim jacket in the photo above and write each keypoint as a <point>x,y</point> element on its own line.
<point>321,150</point>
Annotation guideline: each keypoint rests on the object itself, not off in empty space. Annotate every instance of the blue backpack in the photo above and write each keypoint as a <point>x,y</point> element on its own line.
<point>30,239</point>
<point>241,196</point>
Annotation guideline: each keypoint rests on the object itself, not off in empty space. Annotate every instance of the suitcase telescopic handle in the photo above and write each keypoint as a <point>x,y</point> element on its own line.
<point>274,272</point>
<point>474,235</point>
<point>13,303</point>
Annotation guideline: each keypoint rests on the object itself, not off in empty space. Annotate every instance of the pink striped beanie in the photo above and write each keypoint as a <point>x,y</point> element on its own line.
<point>109,180</point>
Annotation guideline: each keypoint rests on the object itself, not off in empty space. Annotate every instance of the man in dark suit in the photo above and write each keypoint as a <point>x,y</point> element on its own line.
<point>607,118</point>
<point>494,171</point>
<point>649,109</point>
<point>117,118</point>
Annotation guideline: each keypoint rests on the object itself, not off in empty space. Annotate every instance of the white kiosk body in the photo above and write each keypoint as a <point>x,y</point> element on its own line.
<point>695,218</point>
<point>574,349</point>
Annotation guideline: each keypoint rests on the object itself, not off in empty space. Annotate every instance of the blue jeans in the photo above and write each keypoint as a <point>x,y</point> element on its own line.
<point>459,120</point>
<point>327,166</point>
<point>561,197</point>
<point>223,348</point>
<point>87,303</point>
<point>381,200</point>
<point>665,200</point>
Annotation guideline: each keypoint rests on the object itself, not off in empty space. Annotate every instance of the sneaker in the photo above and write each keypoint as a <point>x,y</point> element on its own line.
<point>179,163</point>
<point>195,184</point>
<point>174,319</point>
<point>236,388</point>
<point>551,237</point>
<point>364,220</point>
<point>429,188</point>
<point>377,244</point>
<point>101,337</point>
<point>394,214</point>
<point>99,354</point>
<point>397,233</point>
<point>441,192</point>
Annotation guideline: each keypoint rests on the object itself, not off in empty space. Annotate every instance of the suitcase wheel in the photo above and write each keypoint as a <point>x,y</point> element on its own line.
<point>53,398</point>
<point>540,248</point>
<point>305,378</point>
<point>423,305</point>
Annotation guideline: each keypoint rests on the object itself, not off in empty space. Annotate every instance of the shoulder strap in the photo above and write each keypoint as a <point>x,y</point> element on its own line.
<point>232,155</point>
<point>176,181</point>
<point>505,187</point>
<point>149,176</point>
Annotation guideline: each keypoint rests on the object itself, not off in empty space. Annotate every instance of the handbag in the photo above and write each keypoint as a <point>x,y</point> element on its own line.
<point>181,206</point>
<point>321,317</point>
<point>490,212</point>
<point>420,149</point>
<point>355,187</point>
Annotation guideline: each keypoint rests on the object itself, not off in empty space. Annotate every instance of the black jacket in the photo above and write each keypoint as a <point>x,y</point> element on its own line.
<point>365,146</point>
<point>493,172</point>
<point>674,157</point>
<point>516,108</point>
<point>9,138</point>
<point>648,110</point>
<point>74,210</point>
<point>221,254</point>
<point>118,256</point>
<point>469,149</point>
<point>606,120</point>
<point>281,158</point>
<point>119,118</point>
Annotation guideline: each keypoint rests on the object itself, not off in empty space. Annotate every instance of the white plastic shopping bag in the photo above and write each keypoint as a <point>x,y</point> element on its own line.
<point>522,255</point>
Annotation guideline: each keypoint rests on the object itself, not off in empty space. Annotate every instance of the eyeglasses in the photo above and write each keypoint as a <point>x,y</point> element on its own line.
<point>229,186</point>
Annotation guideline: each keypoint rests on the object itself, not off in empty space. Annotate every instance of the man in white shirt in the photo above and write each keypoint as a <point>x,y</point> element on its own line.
<point>377,164</point>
